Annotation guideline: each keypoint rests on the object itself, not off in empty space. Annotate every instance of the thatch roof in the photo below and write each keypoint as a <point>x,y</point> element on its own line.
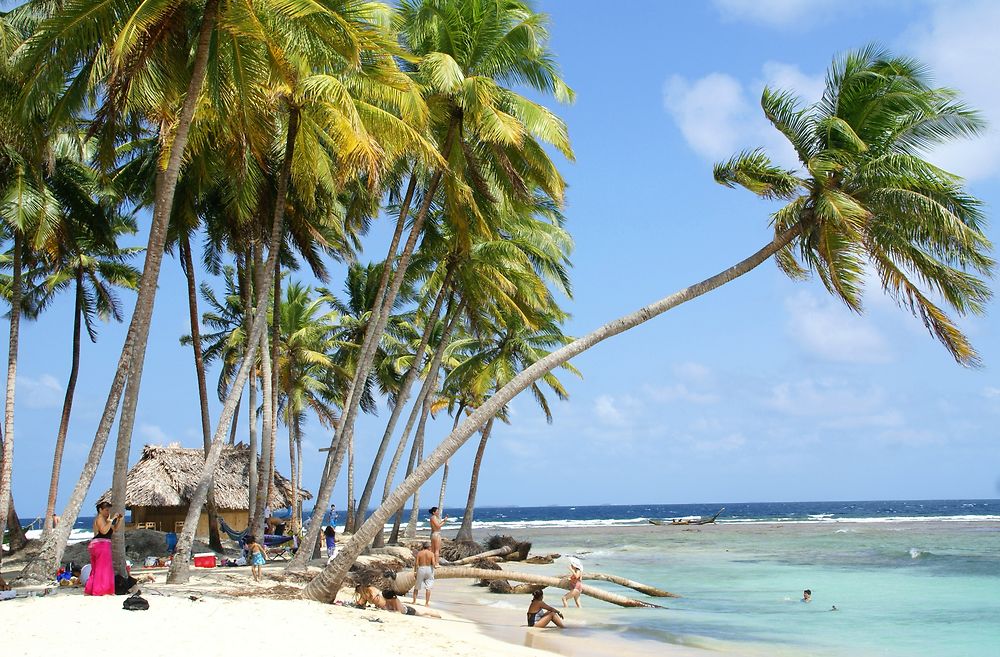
<point>168,476</point>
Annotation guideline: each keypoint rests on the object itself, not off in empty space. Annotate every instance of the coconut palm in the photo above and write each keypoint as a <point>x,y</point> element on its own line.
<point>302,365</point>
<point>469,50</point>
<point>866,194</point>
<point>493,358</point>
<point>94,268</point>
<point>344,104</point>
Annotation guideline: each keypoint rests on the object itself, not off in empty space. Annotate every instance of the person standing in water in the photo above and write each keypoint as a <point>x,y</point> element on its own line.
<point>807,595</point>
<point>575,582</point>
<point>437,522</point>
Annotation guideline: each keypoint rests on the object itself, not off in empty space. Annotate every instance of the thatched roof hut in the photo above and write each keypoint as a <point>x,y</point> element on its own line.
<point>161,483</point>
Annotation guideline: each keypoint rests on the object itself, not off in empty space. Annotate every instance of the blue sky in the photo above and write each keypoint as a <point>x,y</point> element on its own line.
<point>767,389</point>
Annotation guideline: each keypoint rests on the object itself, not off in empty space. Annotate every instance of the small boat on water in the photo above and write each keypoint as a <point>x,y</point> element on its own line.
<point>694,520</point>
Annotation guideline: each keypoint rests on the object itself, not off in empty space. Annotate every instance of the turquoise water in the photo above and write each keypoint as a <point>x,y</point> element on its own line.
<point>902,589</point>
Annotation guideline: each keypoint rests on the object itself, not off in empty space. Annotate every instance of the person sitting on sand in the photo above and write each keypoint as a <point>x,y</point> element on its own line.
<point>423,571</point>
<point>575,583</point>
<point>4,586</point>
<point>256,553</point>
<point>331,541</point>
<point>437,522</point>
<point>807,595</point>
<point>541,614</point>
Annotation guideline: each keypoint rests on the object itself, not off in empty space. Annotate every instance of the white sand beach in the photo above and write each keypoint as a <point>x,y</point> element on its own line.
<point>221,619</point>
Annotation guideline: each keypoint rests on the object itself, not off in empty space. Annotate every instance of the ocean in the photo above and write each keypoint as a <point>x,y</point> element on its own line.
<point>908,578</point>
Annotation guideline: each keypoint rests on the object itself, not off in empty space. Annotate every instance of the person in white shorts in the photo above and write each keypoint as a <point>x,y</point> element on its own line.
<point>423,568</point>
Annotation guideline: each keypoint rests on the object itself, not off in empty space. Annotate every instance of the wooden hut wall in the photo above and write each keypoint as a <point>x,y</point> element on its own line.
<point>166,518</point>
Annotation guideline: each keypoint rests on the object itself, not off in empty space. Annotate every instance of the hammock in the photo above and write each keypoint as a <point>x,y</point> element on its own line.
<point>270,540</point>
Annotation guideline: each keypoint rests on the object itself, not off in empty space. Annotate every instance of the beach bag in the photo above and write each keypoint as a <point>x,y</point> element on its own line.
<point>124,584</point>
<point>135,603</point>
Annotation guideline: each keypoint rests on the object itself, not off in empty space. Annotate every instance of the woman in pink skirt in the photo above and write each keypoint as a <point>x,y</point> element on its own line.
<point>102,572</point>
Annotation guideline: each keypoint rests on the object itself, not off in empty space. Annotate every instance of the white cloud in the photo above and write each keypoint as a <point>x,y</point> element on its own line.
<point>991,393</point>
<point>711,112</point>
<point>608,412</point>
<point>834,404</point>
<point>958,42</point>
<point>720,116</point>
<point>680,392</point>
<point>43,392</point>
<point>778,75</point>
<point>153,434</point>
<point>691,371</point>
<point>778,13</point>
<point>832,332</point>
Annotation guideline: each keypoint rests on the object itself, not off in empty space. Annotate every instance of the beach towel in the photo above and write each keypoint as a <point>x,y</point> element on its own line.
<point>102,573</point>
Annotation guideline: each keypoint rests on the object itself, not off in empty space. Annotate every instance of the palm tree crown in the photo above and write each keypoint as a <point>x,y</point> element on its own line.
<point>866,197</point>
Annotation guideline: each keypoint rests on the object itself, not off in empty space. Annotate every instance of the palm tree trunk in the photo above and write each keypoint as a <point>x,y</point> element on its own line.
<point>180,566</point>
<point>236,421</point>
<point>246,294</point>
<point>373,334</point>
<point>404,581</point>
<point>264,371</point>
<point>465,531</point>
<point>187,263</point>
<point>325,586</point>
<point>411,525</point>
<point>16,538</point>
<point>403,396</point>
<point>429,383</point>
<point>293,465</point>
<point>298,479</point>
<point>7,464</point>
<point>444,475</point>
<point>135,341</point>
<point>410,464</point>
<point>74,371</point>
<point>349,521</point>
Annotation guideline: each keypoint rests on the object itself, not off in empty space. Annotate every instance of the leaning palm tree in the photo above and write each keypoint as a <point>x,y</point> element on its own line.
<point>866,194</point>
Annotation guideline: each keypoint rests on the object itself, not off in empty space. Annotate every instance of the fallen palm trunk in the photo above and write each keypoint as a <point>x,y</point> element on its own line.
<point>638,586</point>
<point>499,552</point>
<point>404,582</point>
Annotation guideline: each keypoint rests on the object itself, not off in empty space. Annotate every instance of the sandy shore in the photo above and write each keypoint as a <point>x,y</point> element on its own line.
<point>223,610</point>
<point>226,618</point>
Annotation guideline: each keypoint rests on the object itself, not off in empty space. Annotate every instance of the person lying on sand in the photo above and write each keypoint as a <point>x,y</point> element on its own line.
<point>541,614</point>
<point>369,595</point>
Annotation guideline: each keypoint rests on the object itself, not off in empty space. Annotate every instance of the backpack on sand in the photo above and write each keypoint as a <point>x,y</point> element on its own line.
<point>135,603</point>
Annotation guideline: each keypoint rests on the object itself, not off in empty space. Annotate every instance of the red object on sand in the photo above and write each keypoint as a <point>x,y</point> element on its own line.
<point>204,560</point>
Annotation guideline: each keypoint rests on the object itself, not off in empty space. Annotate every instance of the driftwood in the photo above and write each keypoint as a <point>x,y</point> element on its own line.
<point>404,582</point>
<point>499,552</point>
<point>638,586</point>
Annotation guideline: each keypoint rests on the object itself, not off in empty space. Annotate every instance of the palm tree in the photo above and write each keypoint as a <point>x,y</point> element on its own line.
<point>494,357</point>
<point>133,49</point>
<point>469,49</point>
<point>303,364</point>
<point>866,194</point>
<point>354,45</point>
<point>94,267</point>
